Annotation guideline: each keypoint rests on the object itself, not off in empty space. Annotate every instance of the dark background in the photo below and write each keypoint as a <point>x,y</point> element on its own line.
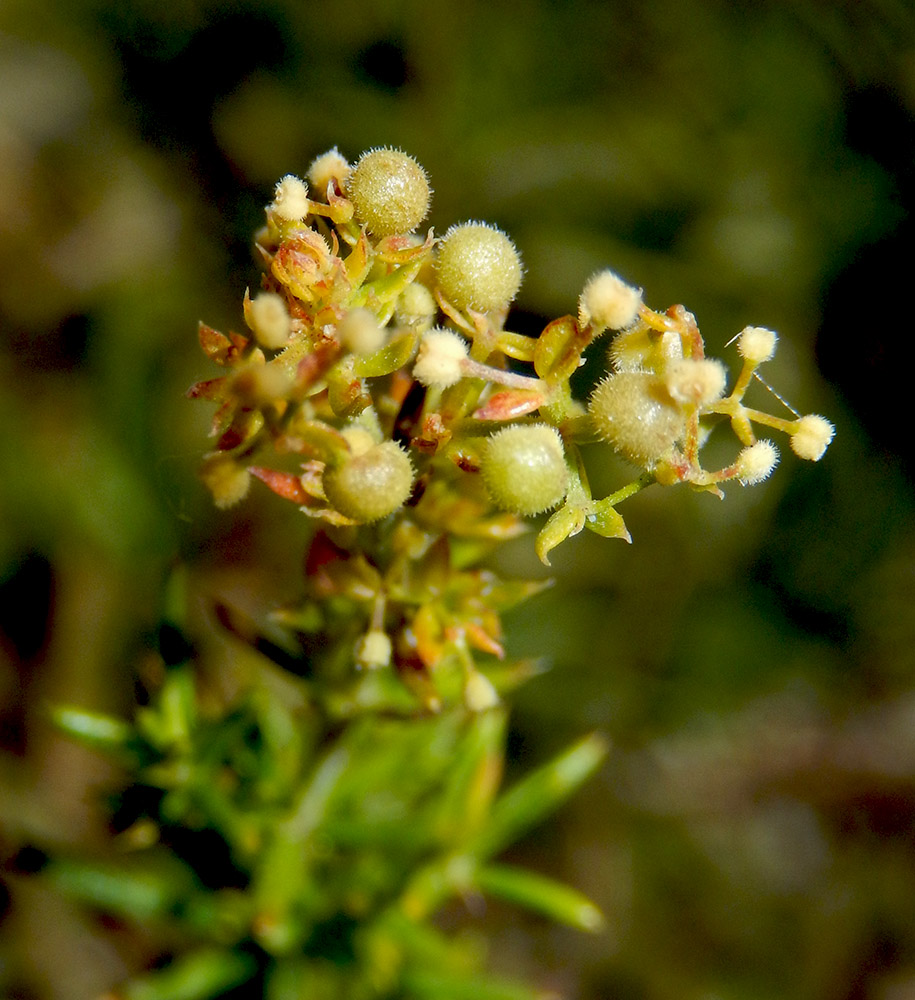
<point>752,661</point>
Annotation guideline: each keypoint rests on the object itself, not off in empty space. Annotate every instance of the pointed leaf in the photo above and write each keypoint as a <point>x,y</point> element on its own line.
<point>284,484</point>
<point>604,519</point>
<point>392,356</point>
<point>568,520</point>
<point>92,729</point>
<point>197,975</point>
<point>559,348</point>
<point>544,895</point>
<point>537,795</point>
<point>510,404</point>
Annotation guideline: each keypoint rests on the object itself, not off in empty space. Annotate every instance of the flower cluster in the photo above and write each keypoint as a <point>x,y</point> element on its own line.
<point>380,391</point>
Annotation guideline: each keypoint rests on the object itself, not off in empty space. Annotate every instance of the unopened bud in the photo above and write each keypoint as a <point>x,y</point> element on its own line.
<point>290,199</point>
<point>360,333</point>
<point>327,167</point>
<point>225,479</point>
<point>373,650</point>
<point>440,358</point>
<point>416,307</point>
<point>755,463</point>
<point>696,381</point>
<point>607,302</point>
<point>269,320</point>
<point>812,437</point>
<point>756,344</point>
<point>479,693</point>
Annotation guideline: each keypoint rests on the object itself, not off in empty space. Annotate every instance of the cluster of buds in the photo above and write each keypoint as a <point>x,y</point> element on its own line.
<point>380,391</point>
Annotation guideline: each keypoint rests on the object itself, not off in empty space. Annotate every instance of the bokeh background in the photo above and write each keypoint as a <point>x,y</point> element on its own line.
<point>753,662</point>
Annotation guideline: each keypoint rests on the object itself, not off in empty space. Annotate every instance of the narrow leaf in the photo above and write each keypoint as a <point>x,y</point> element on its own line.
<point>544,895</point>
<point>92,729</point>
<point>392,356</point>
<point>197,975</point>
<point>537,795</point>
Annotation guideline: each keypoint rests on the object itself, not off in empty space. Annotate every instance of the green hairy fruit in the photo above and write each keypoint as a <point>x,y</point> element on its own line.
<point>524,469</point>
<point>478,267</point>
<point>389,191</point>
<point>370,485</point>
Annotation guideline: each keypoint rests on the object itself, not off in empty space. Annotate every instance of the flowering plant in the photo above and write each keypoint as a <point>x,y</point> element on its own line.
<point>379,390</point>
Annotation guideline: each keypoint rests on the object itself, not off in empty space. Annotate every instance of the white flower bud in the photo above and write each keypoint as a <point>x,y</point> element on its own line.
<point>328,167</point>
<point>812,437</point>
<point>290,199</point>
<point>479,693</point>
<point>608,302</point>
<point>269,320</point>
<point>756,344</point>
<point>440,358</point>
<point>360,333</point>
<point>754,464</point>
<point>696,381</point>
<point>373,650</point>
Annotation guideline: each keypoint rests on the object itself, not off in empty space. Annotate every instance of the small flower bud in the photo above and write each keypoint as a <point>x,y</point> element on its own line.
<point>756,344</point>
<point>524,468</point>
<point>812,437</point>
<point>374,649</point>
<point>290,199</point>
<point>327,167</point>
<point>370,485</point>
<point>478,267</point>
<point>634,412</point>
<point>389,191</point>
<point>416,307</point>
<point>754,464</point>
<point>225,479</point>
<point>360,333</point>
<point>269,320</point>
<point>696,381</point>
<point>479,693</point>
<point>441,355</point>
<point>608,302</point>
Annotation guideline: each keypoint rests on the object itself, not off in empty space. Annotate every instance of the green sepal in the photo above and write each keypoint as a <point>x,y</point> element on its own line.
<point>552,899</point>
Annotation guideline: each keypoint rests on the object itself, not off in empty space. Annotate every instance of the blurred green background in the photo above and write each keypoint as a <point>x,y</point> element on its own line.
<point>753,834</point>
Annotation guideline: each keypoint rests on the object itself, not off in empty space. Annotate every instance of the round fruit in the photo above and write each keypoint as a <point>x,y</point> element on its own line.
<point>478,267</point>
<point>389,191</point>
<point>524,468</point>
<point>370,485</point>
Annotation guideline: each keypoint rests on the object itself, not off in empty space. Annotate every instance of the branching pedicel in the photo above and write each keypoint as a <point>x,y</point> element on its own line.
<point>377,392</point>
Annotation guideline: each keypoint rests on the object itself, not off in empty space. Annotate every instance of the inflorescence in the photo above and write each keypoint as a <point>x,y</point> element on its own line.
<point>379,387</point>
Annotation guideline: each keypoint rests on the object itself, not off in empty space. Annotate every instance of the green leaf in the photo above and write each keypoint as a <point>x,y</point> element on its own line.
<point>140,890</point>
<point>568,520</point>
<point>423,984</point>
<point>392,356</point>
<point>92,729</point>
<point>208,972</point>
<point>604,519</point>
<point>538,794</point>
<point>544,895</point>
<point>559,348</point>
